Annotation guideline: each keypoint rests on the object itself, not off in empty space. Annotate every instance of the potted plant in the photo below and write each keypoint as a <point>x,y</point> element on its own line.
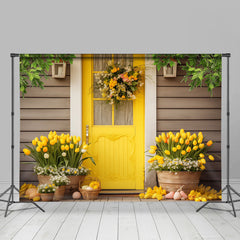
<point>55,154</point>
<point>179,159</point>
<point>60,181</point>
<point>46,191</point>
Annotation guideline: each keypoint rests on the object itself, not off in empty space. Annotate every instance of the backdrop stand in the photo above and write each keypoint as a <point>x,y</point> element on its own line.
<point>12,187</point>
<point>228,188</point>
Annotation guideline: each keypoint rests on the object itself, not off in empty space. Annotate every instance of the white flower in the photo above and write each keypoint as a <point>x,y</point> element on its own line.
<point>83,150</point>
<point>133,96</point>
<point>64,154</point>
<point>46,155</point>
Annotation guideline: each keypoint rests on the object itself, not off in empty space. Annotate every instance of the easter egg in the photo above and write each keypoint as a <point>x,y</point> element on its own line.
<point>76,195</point>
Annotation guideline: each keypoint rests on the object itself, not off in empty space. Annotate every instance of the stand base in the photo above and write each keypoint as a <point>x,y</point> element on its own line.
<point>11,201</point>
<point>228,188</point>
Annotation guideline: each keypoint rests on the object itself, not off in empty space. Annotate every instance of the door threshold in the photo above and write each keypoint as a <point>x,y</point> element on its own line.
<point>121,191</point>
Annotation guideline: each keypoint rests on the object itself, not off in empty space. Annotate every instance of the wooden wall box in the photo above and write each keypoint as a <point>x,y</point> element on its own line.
<point>169,71</point>
<point>59,70</point>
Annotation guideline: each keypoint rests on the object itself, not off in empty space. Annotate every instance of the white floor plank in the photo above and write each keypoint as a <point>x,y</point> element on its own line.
<point>127,222</point>
<point>90,224</point>
<point>34,224</point>
<point>165,226</point>
<point>73,222</point>
<point>206,230</point>
<point>183,224</point>
<point>12,227</point>
<point>235,222</point>
<point>108,228</point>
<point>146,225</point>
<point>223,227</point>
<point>50,228</point>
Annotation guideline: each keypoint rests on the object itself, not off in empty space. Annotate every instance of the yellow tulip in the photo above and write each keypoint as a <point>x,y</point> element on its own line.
<point>188,134</point>
<point>167,152</point>
<point>200,134</point>
<point>62,147</point>
<point>194,142</point>
<point>194,136</point>
<point>178,147</point>
<point>184,135</point>
<point>66,147</point>
<point>152,151</point>
<point>44,142</point>
<point>40,144</point>
<point>186,141</point>
<point>151,160</point>
<point>201,145</point>
<point>195,148</point>
<point>188,149</point>
<point>38,149</point>
<point>200,140</point>
<point>153,147</point>
<point>203,161</point>
<point>76,150</point>
<point>201,155</point>
<point>176,140</point>
<point>174,149</point>
<point>202,167</point>
<point>211,157</point>
<point>34,143</point>
<point>183,152</point>
<point>26,151</point>
<point>85,146</point>
<point>181,141</point>
<point>177,135</point>
<point>71,146</point>
<point>190,138</point>
<point>78,139</point>
<point>52,142</point>
<point>45,149</point>
<point>157,139</point>
<point>209,143</point>
<point>161,160</point>
<point>181,131</point>
<point>36,139</point>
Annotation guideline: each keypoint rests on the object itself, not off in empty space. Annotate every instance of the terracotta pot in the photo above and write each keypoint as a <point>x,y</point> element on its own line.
<point>171,181</point>
<point>59,193</point>
<point>75,182</point>
<point>44,179</point>
<point>46,197</point>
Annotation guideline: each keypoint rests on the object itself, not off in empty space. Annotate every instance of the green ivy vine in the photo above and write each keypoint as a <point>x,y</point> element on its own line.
<point>34,68</point>
<point>199,68</point>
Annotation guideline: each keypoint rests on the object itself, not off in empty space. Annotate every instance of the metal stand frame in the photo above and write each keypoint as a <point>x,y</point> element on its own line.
<point>12,187</point>
<point>228,188</point>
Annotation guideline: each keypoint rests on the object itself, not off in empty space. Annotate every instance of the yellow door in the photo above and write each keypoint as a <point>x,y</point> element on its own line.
<point>116,134</point>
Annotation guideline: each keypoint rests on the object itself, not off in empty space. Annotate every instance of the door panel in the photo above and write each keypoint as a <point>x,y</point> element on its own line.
<point>116,134</point>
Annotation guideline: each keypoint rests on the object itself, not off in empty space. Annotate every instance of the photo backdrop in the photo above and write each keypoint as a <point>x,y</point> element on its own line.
<point>120,126</point>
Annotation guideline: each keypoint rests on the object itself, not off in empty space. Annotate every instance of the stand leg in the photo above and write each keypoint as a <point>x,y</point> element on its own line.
<point>5,191</point>
<point>38,206</point>
<point>205,204</point>
<point>224,189</point>
<point>230,196</point>
<point>8,203</point>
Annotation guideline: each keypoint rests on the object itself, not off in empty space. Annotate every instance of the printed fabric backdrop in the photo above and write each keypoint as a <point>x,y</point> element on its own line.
<point>59,162</point>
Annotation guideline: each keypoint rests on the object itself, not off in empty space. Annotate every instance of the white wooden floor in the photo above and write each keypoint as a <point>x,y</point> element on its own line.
<point>119,220</point>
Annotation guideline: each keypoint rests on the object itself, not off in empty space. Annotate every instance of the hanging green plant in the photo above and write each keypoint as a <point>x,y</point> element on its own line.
<point>34,67</point>
<point>199,68</point>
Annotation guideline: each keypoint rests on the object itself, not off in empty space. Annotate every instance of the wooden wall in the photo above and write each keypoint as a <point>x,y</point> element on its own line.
<point>195,110</point>
<point>40,112</point>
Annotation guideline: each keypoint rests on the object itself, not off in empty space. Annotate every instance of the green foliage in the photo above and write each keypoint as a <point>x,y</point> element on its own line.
<point>34,67</point>
<point>199,68</point>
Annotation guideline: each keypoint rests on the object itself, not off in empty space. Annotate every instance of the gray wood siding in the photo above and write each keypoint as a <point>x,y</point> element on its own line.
<point>40,112</point>
<point>195,110</point>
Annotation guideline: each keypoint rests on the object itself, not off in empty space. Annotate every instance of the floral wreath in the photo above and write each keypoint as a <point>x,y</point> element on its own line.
<point>119,83</point>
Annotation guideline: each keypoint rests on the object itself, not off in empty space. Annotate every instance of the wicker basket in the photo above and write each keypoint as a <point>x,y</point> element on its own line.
<point>89,194</point>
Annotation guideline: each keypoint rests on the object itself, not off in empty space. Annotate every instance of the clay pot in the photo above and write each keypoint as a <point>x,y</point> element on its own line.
<point>172,181</point>
<point>75,182</point>
<point>46,197</point>
<point>59,193</point>
<point>42,179</point>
